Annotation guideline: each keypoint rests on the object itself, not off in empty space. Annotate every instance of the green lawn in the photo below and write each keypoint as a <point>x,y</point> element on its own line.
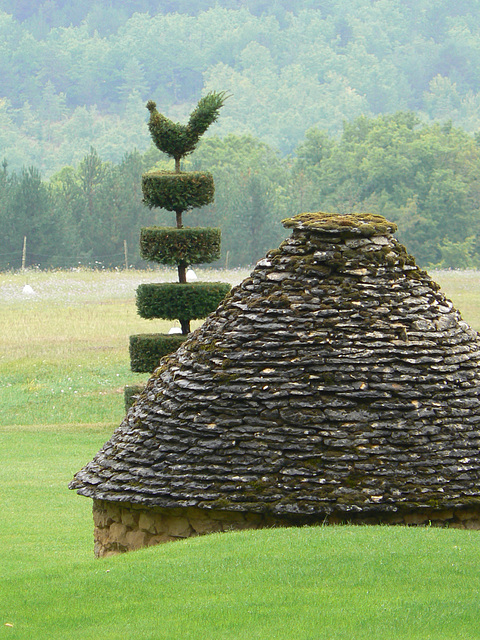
<point>61,398</point>
<point>309,583</point>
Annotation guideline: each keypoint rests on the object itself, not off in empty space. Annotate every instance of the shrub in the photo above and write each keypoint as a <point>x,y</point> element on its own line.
<point>175,301</point>
<point>177,191</point>
<point>169,245</point>
<point>147,349</point>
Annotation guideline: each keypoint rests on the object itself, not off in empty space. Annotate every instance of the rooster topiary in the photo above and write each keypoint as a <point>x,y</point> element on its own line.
<point>178,140</point>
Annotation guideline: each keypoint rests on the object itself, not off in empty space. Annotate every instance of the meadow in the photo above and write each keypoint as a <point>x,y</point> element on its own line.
<point>63,366</point>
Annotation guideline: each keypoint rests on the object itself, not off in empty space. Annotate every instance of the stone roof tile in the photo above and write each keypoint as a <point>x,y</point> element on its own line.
<point>337,377</point>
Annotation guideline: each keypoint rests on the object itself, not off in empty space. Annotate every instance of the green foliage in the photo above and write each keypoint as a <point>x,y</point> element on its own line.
<point>101,208</point>
<point>175,301</point>
<point>458,255</point>
<point>26,211</point>
<point>146,349</point>
<point>178,140</point>
<point>130,394</point>
<point>422,177</point>
<point>177,191</point>
<point>290,67</point>
<point>253,193</point>
<point>187,246</point>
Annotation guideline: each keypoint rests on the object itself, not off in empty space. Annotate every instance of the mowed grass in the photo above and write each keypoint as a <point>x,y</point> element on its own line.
<point>64,361</point>
<point>309,583</point>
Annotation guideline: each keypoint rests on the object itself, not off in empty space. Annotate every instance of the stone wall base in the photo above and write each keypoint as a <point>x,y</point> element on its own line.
<point>121,526</point>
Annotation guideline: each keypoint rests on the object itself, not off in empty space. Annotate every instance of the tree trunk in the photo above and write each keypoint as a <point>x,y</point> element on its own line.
<point>185,324</point>
<point>182,273</point>
<point>182,268</point>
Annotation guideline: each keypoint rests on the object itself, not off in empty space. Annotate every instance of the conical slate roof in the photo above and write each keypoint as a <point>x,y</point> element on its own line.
<point>337,377</point>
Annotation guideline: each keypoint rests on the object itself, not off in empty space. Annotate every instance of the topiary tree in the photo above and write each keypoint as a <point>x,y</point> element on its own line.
<point>177,191</point>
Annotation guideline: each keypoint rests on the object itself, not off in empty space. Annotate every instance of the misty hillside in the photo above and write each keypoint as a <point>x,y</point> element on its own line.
<point>75,74</point>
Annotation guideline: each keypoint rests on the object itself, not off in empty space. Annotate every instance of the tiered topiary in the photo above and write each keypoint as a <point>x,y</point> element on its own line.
<point>177,191</point>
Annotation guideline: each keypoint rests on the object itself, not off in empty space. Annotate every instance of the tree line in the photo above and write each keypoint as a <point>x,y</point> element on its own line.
<point>76,72</point>
<point>423,176</point>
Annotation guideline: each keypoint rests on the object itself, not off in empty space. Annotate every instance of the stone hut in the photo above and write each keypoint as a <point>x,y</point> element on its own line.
<point>335,384</point>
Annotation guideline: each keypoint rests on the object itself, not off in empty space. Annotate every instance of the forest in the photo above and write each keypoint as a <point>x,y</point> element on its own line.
<point>359,105</point>
<point>423,177</point>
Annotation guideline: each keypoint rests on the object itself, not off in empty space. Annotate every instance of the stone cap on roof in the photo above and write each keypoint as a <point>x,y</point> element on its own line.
<point>365,224</point>
<point>337,377</point>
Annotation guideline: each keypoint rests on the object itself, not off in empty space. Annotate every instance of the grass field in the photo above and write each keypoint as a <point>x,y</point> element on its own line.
<point>63,365</point>
<point>64,349</point>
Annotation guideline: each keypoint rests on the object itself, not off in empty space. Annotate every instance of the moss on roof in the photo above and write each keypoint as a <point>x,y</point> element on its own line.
<point>365,224</point>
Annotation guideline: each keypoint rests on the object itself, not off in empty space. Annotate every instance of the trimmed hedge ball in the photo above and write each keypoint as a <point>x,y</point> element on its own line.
<point>177,191</point>
<point>169,245</point>
<point>180,301</point>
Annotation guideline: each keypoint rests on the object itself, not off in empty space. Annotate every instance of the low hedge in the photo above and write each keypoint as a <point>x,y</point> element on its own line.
<point>130,394</point>
<point>181,301</point>
<point>147,349</point>
<point>169,245</point>
<point>177,191</point>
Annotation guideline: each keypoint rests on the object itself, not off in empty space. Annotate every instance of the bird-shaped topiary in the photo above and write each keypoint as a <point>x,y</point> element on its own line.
<point>181,191</point>
<point>177,191</point>
<point>177,140</point>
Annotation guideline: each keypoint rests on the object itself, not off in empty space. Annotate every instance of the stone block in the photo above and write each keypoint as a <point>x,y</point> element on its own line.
<point>395,519</point>
<point>129,518</point>
<point>136,539</point>
<point>160,539</point>
<point>205,525</point>
<point>117,533</point>
<point>467,514</point>
<point>194,513</point>
<point>177,527</point>
<point>239,526</point>
<point>228,516</point>
<point>416,518</point>
<point>444,516</point>
<point>100,518</point>
<point>104,514</point>
<point>98,550</point>
<point>150,521</point>
<point>113,512</point>
<point>101,535</point>
<point>255,518</point>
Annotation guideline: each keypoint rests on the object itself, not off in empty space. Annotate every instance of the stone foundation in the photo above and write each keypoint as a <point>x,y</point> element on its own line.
<point>121,527</point>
